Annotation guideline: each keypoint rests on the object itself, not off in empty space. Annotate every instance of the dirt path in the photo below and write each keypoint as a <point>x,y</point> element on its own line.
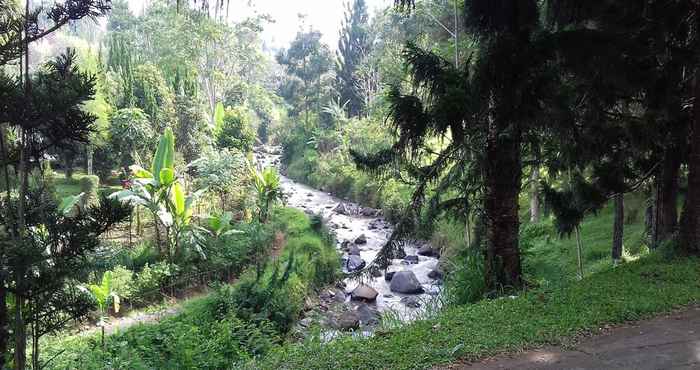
<point>667,342</point>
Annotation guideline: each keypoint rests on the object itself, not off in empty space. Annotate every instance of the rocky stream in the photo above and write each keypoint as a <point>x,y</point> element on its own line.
<point>405,290</point>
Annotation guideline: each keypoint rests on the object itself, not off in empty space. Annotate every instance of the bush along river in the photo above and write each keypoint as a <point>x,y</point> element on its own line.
<point>407,289</point>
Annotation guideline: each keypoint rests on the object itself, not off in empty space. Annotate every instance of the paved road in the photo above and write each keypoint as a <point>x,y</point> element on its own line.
<point>667,342</point>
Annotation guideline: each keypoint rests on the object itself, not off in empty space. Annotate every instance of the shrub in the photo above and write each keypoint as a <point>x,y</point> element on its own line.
<point>151,279</point>
<point>89,186</point>
<point>123,282</point>
<point>235,131</point>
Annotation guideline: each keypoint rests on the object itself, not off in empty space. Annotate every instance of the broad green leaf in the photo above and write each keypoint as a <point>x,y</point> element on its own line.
<point>219,114</point>
<point>165,154</point>
<point>140,173</point>
<point>167,176</point>
<point>178,199</point>
<point>215,223</point>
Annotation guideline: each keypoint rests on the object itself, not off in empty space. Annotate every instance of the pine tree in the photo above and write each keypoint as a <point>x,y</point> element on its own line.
<point>353,47</point>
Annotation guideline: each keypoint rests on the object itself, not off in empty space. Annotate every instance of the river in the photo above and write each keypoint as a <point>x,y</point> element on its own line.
<point>347,228</point>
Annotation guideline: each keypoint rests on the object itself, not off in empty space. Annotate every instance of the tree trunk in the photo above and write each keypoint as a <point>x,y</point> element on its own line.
<point>503,180</point>
<point>68,160</point>
<point>690,223</point>
<point>4,326</point>
<point>665,202</point>
<point>90,154</point>
<point>20,335</point>
<point>535,194</point>
<point>618,227</point>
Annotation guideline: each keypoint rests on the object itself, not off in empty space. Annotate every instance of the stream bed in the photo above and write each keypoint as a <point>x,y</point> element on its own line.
<point>361,232</point>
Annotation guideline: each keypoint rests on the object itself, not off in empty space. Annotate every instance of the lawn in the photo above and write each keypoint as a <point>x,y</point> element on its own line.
<point>66,187</point>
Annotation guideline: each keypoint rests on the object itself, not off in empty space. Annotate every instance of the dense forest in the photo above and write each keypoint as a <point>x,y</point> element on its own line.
<point>455,179</point>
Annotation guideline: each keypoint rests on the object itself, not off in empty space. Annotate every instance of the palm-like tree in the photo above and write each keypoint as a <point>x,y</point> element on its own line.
<point>268,190</point>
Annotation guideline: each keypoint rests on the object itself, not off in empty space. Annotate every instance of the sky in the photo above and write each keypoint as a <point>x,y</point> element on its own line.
<point>324,15</point>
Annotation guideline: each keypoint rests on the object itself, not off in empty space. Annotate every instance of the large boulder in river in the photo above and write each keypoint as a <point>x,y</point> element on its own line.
<point>364,293</point>
<point>405,282</point>
<point>362,239</point>
<point>369,212</point>
<point>342,209</point>
<point>355,263</point>
<point>428,251</point>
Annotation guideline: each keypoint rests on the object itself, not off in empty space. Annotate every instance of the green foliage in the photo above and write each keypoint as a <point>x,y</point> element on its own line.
<point>353,46</point>
<point>235,324</point>
<point>192,131</point>
<point>149,281</point>
<point>268,189</point>
<point>307,61</point>
<point>154,96</point>
<point>122,282</point>
<point>103,293</point>
<point>223,173</point>
<point>235,132</point>
<point>161,192</point>
<point>131,136</point>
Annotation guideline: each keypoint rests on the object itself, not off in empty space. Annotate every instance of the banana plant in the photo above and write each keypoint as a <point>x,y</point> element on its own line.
<point>267,185</point>
<point>220,225</point>
<point>102,293</point>
<point>160,191</point>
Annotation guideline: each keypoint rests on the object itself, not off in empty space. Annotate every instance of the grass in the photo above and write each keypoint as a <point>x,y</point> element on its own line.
<point>67,187</point>
<point>545,316</point>
<point>551,259</point>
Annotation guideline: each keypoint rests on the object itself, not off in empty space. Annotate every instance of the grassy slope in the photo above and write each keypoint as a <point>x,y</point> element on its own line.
<point>630,292</point>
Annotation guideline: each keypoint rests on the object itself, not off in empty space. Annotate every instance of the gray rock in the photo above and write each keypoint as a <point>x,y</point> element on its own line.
<point>368,316</point>
<point>353,250</point>
<point>345,244</point>
<point>339,296</point>
<point>362,239</point>
<point>405,282</point>
<point>355,263</point>
<point>369,212</point>
<point>435,274</point>
<point>412,302</point>
<point>389,275</point>
<point>364,293</point>
<point>428,251</point>
<point>348,320</point>
<point>411,259</point>
<point>306,322</point>
<point>342,209</point>
<point>376,273</point>
<point>400,253</point>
